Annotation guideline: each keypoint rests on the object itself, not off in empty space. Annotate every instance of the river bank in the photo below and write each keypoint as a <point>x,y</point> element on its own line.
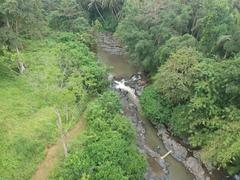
<point>147,138</point>
<point>128,92</point>
<point>152,140</point>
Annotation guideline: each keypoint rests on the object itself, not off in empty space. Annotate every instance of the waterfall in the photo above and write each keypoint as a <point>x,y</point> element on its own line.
<point>121,85</point>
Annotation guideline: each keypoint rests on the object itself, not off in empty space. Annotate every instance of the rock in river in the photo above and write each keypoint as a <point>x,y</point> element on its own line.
<point>178,151</point>
<point>195,167</point>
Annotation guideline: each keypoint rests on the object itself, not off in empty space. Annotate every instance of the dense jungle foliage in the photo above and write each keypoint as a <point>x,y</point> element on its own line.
<point>189,50</point>
<point>107,150</point>
<point>49,72</point>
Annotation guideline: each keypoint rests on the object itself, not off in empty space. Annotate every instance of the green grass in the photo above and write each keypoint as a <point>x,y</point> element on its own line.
<point>27,118</point>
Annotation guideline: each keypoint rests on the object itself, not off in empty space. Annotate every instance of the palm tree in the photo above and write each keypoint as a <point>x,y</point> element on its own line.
<point>95,4</point>
<point>229,43</point>
<point>113,5</point>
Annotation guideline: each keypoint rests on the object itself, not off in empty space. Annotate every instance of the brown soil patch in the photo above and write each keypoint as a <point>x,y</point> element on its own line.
<point>52,154</point>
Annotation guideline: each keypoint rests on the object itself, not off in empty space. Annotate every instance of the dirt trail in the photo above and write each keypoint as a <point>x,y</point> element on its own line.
<point>52,154</point>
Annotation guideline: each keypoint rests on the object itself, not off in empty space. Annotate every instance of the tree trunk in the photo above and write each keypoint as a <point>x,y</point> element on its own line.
<point>63,138</point>
<point>168,153</point>
<point>8,24</point>
<point>67,114</point>
<point>225,55</point>
<point>16,27</point>
<point>99,12</point>
<point>115,13</point>
<point>193,25</point>
<point>20,64</point>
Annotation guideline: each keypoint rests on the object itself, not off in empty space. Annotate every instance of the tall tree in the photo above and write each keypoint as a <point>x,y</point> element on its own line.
<point>22,18</point>
<point>68,16</point>
<point>113,5</point>
<point>19,18</point>
<point>175,78</point>
<point>216,23</point>
<point>96,4</point>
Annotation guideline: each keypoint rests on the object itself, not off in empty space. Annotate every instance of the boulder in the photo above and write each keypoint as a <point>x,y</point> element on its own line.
<point>161,162</point>
<point>178,151</point>
<point>237,176</point>
<point>209,166</point>
<point>195,167</point>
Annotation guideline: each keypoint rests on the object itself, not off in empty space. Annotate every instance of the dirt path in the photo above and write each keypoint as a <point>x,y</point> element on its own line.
<point>52,154</point>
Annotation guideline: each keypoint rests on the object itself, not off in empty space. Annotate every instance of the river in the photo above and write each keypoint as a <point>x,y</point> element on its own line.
<point>120,69</point>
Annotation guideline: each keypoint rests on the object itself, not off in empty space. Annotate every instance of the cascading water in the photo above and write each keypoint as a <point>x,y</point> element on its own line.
<point>157,166</point>
<point>120,85</point>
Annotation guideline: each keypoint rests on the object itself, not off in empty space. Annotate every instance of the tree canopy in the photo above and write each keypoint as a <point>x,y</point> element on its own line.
<point>195,52</point>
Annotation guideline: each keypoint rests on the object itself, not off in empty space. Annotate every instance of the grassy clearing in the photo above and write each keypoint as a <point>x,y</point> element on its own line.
<point>27,118</point>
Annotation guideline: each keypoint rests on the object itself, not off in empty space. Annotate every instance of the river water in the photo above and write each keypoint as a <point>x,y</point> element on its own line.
<point>121,68</point>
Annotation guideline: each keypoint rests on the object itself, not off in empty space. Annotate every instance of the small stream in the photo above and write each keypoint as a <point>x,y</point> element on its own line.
<point>148,139</point>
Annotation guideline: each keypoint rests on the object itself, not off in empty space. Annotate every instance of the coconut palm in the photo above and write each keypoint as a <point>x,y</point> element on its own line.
<point>96,4</point>
<point>113,5</point>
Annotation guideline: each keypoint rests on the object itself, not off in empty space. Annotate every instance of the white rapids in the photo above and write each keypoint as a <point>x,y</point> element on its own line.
<point>121,85</point>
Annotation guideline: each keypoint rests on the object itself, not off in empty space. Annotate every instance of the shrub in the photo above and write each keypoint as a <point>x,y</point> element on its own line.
<point>155,106</point>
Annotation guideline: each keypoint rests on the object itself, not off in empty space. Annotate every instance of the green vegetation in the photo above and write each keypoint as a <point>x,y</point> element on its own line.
<point>48,77</point>
<point>108,150</point>
<point>191,51</point>
<point>61,76</point>
<point>48,71</point>
<point>108,12</point>
<point>27,125</point>
<point>204,100</point>
<point>152,30</point>
<point>155,106</point>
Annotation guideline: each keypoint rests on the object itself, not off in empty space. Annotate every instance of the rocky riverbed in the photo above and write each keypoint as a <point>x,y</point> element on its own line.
<point>129,90</point>
<point>109,44</point>
<point>180,153</point>
<point>130,109</point>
